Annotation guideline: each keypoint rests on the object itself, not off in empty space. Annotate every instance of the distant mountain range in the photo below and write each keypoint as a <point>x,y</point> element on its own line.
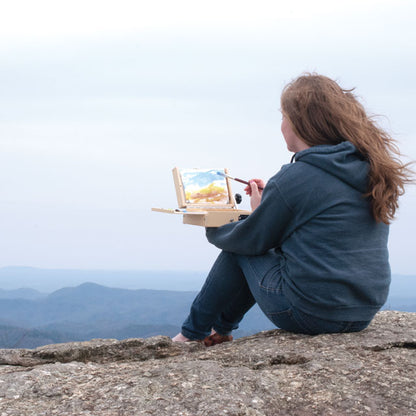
<point>93,311</point>
<point>30,318</point>
<point>49,280</point>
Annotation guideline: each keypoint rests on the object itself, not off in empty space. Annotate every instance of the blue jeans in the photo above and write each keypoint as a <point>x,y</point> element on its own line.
<point>235,283</point>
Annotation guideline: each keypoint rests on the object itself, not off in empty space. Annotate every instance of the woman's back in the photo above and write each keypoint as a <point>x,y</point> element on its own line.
<point>334,253</point>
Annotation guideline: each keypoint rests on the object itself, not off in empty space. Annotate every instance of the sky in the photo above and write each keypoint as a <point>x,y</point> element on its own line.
<point>99,100</point>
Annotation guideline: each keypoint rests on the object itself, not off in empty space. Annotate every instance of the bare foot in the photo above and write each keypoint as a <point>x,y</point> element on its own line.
<point>180,338</point>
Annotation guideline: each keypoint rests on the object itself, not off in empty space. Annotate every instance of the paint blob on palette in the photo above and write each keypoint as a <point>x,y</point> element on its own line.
<point>205,186</point>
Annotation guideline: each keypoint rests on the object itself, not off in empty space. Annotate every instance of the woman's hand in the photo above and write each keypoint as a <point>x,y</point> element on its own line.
<point>254,192</point>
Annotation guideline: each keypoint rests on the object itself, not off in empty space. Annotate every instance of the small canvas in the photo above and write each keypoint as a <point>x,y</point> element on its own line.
<point>205,186</point>
<point>208,188</point>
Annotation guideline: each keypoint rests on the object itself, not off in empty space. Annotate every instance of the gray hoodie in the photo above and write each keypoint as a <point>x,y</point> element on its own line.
<point>332,253</point>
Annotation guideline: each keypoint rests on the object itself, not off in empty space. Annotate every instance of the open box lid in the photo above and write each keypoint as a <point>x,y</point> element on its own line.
<point>203,189</point>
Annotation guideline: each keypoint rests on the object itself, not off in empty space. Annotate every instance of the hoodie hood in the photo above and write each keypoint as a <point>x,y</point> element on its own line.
<point>343,161</point>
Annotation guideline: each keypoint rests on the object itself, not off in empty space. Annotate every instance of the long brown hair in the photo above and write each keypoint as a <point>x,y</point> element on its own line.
<point>321,112</point>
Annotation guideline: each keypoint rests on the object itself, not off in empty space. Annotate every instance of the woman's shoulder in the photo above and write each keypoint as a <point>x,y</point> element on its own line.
<point>290,171</point>
<point>335,166</point>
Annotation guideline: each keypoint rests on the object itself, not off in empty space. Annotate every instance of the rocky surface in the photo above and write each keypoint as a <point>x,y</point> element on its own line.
<point>272,373</point>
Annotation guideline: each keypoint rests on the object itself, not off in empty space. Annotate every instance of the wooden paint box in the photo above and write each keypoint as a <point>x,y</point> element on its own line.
<point>204,198</point>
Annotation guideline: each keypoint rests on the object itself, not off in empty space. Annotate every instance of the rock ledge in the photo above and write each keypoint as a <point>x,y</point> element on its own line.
<point>271,373</point>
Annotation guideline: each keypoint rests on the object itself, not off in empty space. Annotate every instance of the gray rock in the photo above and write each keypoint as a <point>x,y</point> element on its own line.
<point>272,373</point>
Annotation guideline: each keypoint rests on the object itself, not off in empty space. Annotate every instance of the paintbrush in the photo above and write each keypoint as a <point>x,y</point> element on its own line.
<point>236,179</point>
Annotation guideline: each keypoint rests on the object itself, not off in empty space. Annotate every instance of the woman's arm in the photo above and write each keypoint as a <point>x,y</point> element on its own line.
<point>264,229</point>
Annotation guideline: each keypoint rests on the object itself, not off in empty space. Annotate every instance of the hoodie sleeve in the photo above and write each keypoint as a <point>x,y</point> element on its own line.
<point>263,230</point>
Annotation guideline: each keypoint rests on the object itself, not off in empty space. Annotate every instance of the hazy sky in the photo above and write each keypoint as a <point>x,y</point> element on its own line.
<point>99,100</point>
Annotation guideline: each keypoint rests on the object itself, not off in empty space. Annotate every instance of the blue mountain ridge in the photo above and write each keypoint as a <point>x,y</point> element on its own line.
<point>91,311</point>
